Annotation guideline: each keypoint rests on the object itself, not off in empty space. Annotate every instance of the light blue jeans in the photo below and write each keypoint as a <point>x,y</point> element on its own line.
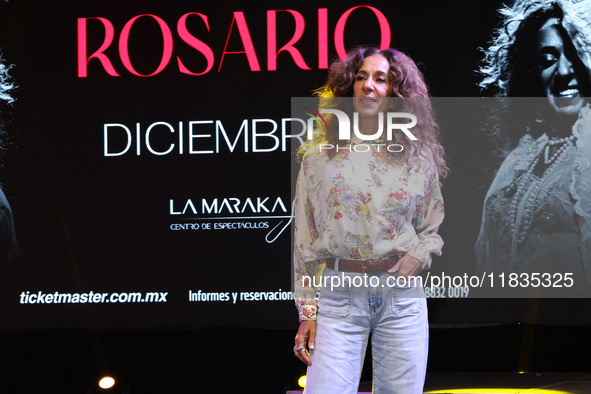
<point>396,318</point>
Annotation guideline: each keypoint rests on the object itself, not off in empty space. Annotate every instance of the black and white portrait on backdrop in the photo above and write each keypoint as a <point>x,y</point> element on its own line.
<point>537,211</point>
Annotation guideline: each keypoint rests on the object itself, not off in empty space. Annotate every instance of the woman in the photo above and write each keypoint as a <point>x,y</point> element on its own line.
<point>538,208</point>
<point>373,215</point>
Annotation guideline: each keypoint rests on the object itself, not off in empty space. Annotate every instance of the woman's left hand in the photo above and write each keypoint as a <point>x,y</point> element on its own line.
<point>407,266</point>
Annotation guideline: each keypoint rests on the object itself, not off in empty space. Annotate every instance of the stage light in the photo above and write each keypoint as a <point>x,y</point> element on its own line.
<point>302,381</point>
<point>498,391</point>
<point>106,382</point>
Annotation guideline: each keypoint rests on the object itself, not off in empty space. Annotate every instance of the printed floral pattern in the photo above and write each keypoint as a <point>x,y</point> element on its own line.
<point>346,199</point>
<point>358,245</point>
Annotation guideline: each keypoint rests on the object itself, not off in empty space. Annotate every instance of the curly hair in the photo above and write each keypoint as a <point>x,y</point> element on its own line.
<point>510,69</point>
<point>406,81</point>
<point>509,66</point>
<point>6,83</point>
<point>6,86</point>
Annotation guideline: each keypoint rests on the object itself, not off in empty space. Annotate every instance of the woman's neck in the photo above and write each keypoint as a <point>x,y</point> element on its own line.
<point>559,126</point>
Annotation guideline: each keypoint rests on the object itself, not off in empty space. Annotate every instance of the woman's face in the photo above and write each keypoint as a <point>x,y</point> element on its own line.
<point>371,87</point>
<point>557,74</point>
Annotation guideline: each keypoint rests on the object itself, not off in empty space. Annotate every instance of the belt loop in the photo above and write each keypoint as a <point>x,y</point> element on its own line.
<point>336,263</point>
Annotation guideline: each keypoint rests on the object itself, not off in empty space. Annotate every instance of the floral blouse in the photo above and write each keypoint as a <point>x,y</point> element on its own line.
<point>360,205</point>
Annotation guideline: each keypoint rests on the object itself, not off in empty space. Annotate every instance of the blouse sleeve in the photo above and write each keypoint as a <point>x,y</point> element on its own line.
<point>306,272</point>
<point>428,217</point>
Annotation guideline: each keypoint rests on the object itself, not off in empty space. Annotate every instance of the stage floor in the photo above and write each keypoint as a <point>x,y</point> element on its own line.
<point>531,383</point>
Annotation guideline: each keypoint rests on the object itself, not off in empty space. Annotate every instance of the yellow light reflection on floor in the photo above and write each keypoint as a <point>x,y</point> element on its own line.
<point>497,391</point>
<point>302,381</point>
<point>107,382</point>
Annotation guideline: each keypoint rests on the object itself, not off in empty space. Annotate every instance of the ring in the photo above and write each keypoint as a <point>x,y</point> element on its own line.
<point>298,349</point>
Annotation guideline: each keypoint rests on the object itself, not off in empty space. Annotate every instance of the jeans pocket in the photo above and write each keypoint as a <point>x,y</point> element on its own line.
<point>335,302</point>
<point>407,301</point>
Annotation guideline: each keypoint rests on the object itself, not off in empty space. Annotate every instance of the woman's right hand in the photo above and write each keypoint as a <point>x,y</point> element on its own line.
<point>306,335</point>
